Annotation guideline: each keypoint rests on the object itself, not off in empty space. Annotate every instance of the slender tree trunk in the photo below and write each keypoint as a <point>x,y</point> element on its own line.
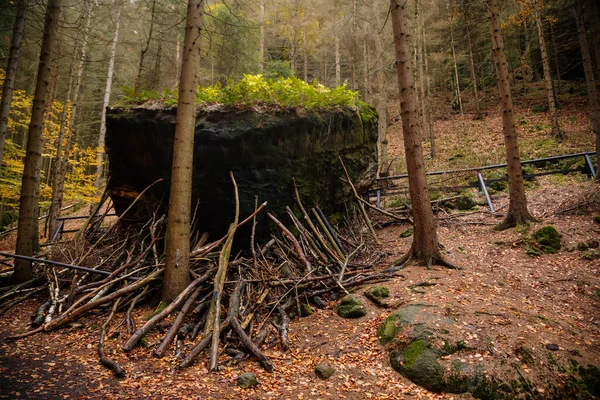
<point>338,70</point>
<point>105,102</point>
<point>27,234</point>
<point>472,69</point>
<point>11,72</point>
<point>454,63</point>
<point>62,160</point>
<point>177,268</point>
<point>589,80</point>
<point>421,70</point>
<point>517,207</point>
<point>381,104</point>
<point>305,51</point>
<point>367,82</point>
<point>595,20</point>
<point>425,247</point>
<point>261,52</point>
<point>433,150</point>
<point>547,75</point>
<point>138,78</point>
<point>555,54</point>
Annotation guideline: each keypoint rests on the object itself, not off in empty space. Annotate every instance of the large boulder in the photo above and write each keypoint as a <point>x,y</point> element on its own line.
<point>265,150</point>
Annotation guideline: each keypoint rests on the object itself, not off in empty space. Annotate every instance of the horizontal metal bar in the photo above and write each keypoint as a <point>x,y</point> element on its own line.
<point>495,166</point>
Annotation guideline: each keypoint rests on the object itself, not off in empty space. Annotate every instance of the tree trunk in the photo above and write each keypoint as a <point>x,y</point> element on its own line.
<point>547,75</point>
<point>62,160</point>
<point>305,51</point>
<point>338,70</point>
<point>555,54</point>
<point>107,89</point>
<point>452,47</point>
<point>11,72</point>
<point>433,150</point>
<point>177,268</point>
<point>421,70</point>
<point>425,247</point>
<point>517,207</point>
<point>381,104</point>
<point>27,234</point>
<point>261,52</point>
<point>589,80</point>
<point>144,50</point>
<point>472,69</point>
<point>596,33</point>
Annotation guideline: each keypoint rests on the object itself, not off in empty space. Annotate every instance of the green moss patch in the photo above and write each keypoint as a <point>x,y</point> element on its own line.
<point>548,238</point>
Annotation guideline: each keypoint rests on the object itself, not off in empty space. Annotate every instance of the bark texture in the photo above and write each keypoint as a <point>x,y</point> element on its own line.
<point>547,75</point>
<point>27,235</point>
<point>589,80</point>
<point>11,72</point>
<point>425,247</point>
<point>517,208</point>
<point>177,274</point>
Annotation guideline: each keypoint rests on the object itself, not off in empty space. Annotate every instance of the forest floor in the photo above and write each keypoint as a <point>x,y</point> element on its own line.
<point>503,300</point>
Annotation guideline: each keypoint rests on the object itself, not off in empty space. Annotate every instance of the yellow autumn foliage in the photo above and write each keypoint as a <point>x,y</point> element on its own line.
<point>80,173</point>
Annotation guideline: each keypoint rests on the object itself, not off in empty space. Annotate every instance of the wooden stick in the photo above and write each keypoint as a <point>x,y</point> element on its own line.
<point>312,226</point>
<point>304,232</point>
<point>116,369</point>
<point>69,316</point>
<point>340,254</point>
<point>262,359</point>
<point>134,339</point>
<point>162,349</point>
<point>360,205</point>
<point>297,248</point>
<point>215,307</point>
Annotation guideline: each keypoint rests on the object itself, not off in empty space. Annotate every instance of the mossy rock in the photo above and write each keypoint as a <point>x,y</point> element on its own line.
<point>532,250</point>
<point>464,203</point>
<point>548,238</point>
<point>378,291</point>
<point>592,254</point>
<point>305,310</point>
<point>247,380</point>
<point>597,219</point>
<point>350,307</point>
<point>396,321</point>
<point>582,246</point>
<point>324,371</point>
<point>418,362</point>
<point>540,108</point>
<point>376,294</point>
<point>407,233</point>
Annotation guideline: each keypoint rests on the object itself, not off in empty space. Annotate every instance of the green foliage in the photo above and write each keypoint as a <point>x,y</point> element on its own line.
<point>256,90</point>
<point>597,219</point>
<point>278,69</point>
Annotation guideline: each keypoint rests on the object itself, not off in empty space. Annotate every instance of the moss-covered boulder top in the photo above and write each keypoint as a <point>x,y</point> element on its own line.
<point>267,148</point>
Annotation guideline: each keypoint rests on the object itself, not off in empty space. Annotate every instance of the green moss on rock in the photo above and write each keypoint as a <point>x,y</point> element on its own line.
<point>548,238</point>
<point>350,307</point>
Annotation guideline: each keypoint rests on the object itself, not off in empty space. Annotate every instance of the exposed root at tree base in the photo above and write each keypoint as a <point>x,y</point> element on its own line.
<point>409,257</point>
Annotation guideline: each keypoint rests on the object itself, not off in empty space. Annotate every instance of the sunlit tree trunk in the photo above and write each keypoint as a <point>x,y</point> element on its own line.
<point>421,70</point>
<point>517,207</point>
<point>547,75</point>
<point>381,104</point>
<point>27,234</point>
<point>589,80</point>
<point>177,267</point>
<point>11,72</point>
<point>105,102</point>
<point>425,247</point>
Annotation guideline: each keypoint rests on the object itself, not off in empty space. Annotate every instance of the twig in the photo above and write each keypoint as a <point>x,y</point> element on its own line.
<point>297,248</point>
<point>116,369</point>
